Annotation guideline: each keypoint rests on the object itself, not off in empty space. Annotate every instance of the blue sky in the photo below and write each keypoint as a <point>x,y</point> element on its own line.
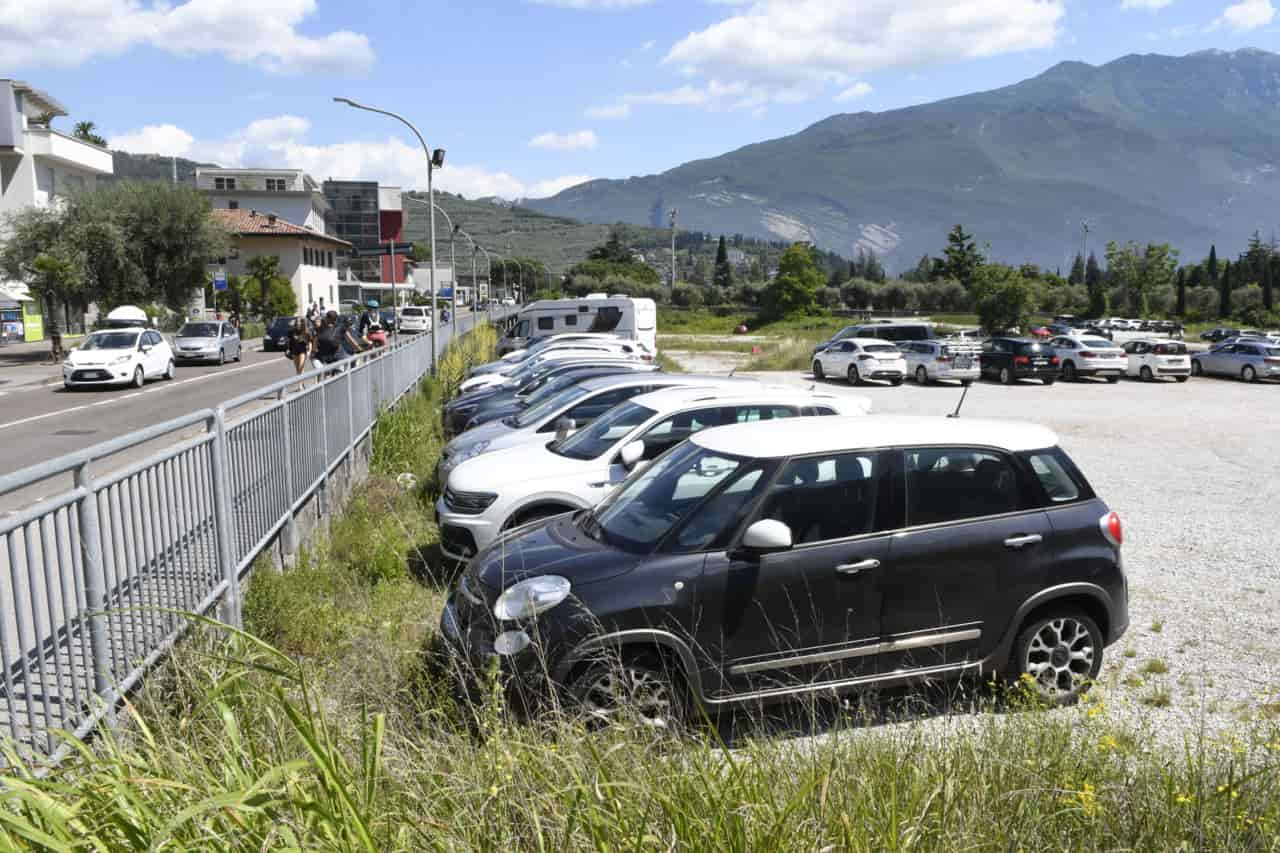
<point>531,96</point>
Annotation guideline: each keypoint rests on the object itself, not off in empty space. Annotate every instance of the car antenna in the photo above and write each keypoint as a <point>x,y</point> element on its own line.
<point>963,394</point>
<point>733,371</point>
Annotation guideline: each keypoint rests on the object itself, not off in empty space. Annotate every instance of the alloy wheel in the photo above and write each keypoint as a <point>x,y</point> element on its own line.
<point>222,357</point>
<point>1060,656</point>
<point>138,379</point>
<point>613,693</point>
<point>170,371</point>
<point>1069,372</point>
<point>817,369</point>
<point>1006,376</point>
<point>1196,369</point>
<point>1249,374</point>
<point>1147,376</point>
<point>854,377</point>
<point>922,376</point>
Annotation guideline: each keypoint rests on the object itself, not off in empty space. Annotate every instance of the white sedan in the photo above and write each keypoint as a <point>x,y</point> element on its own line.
<point>118,357</point>
<point>1151,360</point>
<point>1084,355</point>
<point>859,359</point>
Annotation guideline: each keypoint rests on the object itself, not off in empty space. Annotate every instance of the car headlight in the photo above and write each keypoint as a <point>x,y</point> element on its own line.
<point>456,459</point>
<point>120,359</point>
<point>68,364</point>
<point>530,597</point>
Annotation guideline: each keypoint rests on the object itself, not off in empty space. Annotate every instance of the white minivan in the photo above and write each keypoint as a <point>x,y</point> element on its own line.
<point>624,316</point>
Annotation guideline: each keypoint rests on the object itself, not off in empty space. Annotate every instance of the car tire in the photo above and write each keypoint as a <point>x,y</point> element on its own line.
<point>1062,652</point>
<point>965,383</point>
<point>1196,369</point>
<point>139,378</point>
<point>1069,373</point>
<point>1248,374</point>
<point>922,376</point>
<point>854,377</point>
<point>1113,379</point>
<point>239,351</point>
<point>1006,376</point>
<point>1181,378</point>
<point>637,688</point>
<point>1048,381</point>
<point>222,357</point>
<point>896,382</point>
<point>817,370</point>
<point>1146,374</point>
<point>170,371</point>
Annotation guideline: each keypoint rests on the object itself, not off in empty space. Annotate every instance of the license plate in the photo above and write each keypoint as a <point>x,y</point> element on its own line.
<point>1041,362</point>
<point>964,362</point>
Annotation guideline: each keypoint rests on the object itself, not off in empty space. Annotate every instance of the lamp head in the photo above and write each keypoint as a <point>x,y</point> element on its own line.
<point>346,101</point>
<point>437,158</point>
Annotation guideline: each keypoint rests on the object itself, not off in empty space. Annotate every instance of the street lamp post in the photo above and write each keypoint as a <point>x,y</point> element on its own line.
<point>488,276</point>
<point>435,160</point>
<point>474,286</point>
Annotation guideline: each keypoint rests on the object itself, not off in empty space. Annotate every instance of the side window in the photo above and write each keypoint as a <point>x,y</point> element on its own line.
<point>546,324</point>
<point>571,319</point>
<point>751,414</point>
<point>952,484</point>
<point>824,498</point>
<point>811,411</point>
<point>1057,482</point>
<point>675,429</point>
<point>589,410</point>
<point>714,523</point>
<point>866,333</point>
<point>521,329</point>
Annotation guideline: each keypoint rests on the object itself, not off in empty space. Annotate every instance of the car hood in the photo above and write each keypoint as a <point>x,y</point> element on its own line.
<point>552,547</point>
<point>485,432</point>
<point>524,464</point>
<point>493,410</point>
<point>484,380</point>
<point>195,342</point>
<point>97,357</point>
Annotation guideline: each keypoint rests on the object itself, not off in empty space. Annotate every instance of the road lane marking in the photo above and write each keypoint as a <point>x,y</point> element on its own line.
<point>173,384</point>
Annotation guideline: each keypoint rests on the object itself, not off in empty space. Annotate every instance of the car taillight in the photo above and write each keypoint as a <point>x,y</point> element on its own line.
<point>1021,359</point>
<point>944,359</point>
<point>1053,360</point>
<point>1112,529</point>
<point>646,357</point>
<point>1087,354</point>
<point>865,356</point>
<point>1272,360</point>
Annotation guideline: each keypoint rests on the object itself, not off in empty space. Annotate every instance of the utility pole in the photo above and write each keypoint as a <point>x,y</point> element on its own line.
<point>673,248</point>
<point>175,170</point>
<point>1084,246</point>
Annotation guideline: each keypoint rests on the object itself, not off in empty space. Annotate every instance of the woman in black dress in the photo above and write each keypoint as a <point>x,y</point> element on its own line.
<point>299,346</point>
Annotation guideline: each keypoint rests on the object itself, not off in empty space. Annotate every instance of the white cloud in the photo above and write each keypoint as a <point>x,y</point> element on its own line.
<point>71,32</point>
<point>648,45</point>
<point>789,50</point>
<point>613,111</point>
<point>581,140</point>
<point>1246,15</point>
<point>281,141</point>
<point>1151,5</point>
<point>593,4</point>
<point>854,92</point>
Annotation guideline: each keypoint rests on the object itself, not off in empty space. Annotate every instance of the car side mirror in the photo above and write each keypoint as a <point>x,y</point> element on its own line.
<point>767,535</point>
<point>146,348</point>
<point>632,453</point>
<point>564,427</point>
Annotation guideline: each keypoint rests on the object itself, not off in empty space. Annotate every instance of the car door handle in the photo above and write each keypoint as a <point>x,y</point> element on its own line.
<point>1016,542</point>
<point>855,568</point>
<point>601,484</point>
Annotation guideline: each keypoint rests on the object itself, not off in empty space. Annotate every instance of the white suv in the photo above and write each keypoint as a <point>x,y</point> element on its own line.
<point>859,359</point>
<point>573,408</point>
<point>1088,355</point>
<point>485,378</point>
<point>934,360</point>
<point>415,318</point>
<point>509,488</point>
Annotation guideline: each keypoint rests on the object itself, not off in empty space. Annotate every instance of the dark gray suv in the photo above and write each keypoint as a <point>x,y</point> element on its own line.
<point>757,562</point>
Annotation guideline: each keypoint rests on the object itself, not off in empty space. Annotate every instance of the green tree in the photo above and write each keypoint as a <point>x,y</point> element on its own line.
<point>1096,288</point>
<point>961,257</point>
<point>724,270</point>
<point>1268,284</point>
<point>86,131</point>
<point>55,280</point>
<point>1077,270</point>
<point>421,252</point>
<point>1001,297</point>
<point>1139,272</point>
<point>1180,308</point>
<point>1211,267</point>
<point>1224,292</point>
<point>794,290</point>
<point>613,251</point>
<point>263,270</point>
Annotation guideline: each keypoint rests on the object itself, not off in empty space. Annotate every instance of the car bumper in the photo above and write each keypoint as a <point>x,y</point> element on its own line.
<point>88,376</point>
<point>463,536</point>
<point>964,374</point>
<point>203,355</point>
<point>1101,368</point>
<point>1174,371</point>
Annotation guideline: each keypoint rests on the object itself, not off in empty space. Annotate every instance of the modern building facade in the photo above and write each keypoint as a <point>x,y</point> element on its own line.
<point>307,258</point>
<point>37,165</point>
<point>368,216</point>
<point>290,194</point>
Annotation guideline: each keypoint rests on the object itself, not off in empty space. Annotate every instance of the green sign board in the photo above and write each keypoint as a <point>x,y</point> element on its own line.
<point>32,322</point>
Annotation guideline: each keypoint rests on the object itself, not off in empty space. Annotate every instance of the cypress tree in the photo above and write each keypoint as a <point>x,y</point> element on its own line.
<point>1077,270</point>
<point>1212,266</point>
<point>723,275</point>
<point>1268,281</point>
<point>1181,309</point>
<point>1224,292</point>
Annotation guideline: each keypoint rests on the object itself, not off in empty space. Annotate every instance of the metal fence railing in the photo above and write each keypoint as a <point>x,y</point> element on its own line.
<point>94,580</point>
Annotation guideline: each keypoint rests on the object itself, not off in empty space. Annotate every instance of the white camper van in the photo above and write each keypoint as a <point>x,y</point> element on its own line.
<point>623,316</point>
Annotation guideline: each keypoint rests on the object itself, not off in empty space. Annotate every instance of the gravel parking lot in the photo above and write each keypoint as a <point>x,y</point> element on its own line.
<point>1194,471</point>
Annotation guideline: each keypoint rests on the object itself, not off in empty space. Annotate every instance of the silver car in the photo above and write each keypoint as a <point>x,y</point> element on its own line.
<point>931,361</point>
<point>1083,355</point>
<point>207,340</point>
<point>1248,360</point>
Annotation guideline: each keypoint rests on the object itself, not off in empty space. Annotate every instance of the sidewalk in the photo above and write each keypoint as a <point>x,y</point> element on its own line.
<point>29,364</point>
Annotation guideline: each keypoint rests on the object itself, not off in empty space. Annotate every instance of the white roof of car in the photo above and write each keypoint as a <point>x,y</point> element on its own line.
<point>863,342</point>
<point>675,399</point>
<point>685,380</point>
<point>771,439</point>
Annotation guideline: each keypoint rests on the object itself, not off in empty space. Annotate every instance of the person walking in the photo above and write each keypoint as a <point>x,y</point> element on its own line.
<point>329,341</point>
<point>300,344</point>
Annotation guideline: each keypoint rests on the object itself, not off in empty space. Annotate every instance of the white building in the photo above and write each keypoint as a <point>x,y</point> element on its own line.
<point>307,258</point>
<point>290,194</point>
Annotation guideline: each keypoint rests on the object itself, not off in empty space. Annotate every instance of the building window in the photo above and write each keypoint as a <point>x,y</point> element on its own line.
<point>275,185</point>
<point>224,183</point>
<point>233,205</point>
<point>330,260</point>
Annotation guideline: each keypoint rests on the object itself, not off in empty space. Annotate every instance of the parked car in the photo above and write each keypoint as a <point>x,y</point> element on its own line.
<point>207,340</point>
<point>881,331</point>
<point>931,361</point>
<point>571,409</point>
<point>859,359</point>
<point>542,344</point>
<point>767,561</point>
<point>1221,333</point>
<point>482,497</point>
<point>122,356</point>
<point>1088,356</point>
<point>1150,360</point>
<point>415,319</point>
<point>572,350</point>
<point>276,338</point>
<point>1247,360</point>
<point>1011,359</point>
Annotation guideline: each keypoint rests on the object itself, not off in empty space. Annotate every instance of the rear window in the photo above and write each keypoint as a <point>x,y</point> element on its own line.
<point>1025,348</point>
<point>1271,352</point>
<point>880,348</point>
<point>412,312</point>
<point>1096,343</point>
<point>1171,349</point>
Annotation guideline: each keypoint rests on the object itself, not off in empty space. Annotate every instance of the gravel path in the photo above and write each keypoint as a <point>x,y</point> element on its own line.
<point>1194,471</point>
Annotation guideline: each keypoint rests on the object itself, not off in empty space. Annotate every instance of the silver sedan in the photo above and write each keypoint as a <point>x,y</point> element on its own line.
<point>1247,360</point>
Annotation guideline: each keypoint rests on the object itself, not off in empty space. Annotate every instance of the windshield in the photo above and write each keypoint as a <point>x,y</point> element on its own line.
<point>1171,349</point>
<point>604,431</point>
<point>638,515</point>
<point>110,340</point>
<point>551,405</point>
<point>281,324</point>
<point>199,330</point>
<point>545,387</point>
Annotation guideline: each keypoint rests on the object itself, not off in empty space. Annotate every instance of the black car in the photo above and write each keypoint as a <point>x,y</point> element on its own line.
<point>762,561</point>
<point>1011,359</point>
<point>504,405</point>
<point>276,337</point>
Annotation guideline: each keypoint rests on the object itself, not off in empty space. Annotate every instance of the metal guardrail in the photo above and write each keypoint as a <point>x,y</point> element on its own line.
<point>94,581</point>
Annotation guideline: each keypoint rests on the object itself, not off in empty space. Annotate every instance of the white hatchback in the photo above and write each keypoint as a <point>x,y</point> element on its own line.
<point>415,319</point>
<point>859,359</point>
<point>118,357</point>
<point>1086,355</point>
<point>1150,360</point>
<point>497,491</point>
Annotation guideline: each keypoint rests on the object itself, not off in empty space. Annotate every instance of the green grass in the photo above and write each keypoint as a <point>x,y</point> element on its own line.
<point>1155,666</point>
<point>319,728</point>
<point>689,343</point>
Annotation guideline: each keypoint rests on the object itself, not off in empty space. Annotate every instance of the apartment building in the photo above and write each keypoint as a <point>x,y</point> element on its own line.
<point>309,259</point>
<point>291,194</point>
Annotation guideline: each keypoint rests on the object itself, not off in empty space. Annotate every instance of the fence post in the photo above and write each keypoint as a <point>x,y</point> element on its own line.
<point>289,535</point>
<point>229,611</point>
<point>95,590</point>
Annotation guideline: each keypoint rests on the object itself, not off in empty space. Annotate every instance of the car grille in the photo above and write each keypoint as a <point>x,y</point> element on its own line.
<point>467,503</point>
<point>89,375</point>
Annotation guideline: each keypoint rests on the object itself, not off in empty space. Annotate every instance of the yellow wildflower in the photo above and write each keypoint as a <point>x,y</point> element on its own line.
<point>1184,799</point>
<point>1088,798</point>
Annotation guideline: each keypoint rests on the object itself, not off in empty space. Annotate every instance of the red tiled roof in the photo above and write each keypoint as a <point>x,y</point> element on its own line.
<point>258,224</point>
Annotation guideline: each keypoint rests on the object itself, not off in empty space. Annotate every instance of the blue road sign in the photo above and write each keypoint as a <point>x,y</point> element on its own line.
<point>220,280</point>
